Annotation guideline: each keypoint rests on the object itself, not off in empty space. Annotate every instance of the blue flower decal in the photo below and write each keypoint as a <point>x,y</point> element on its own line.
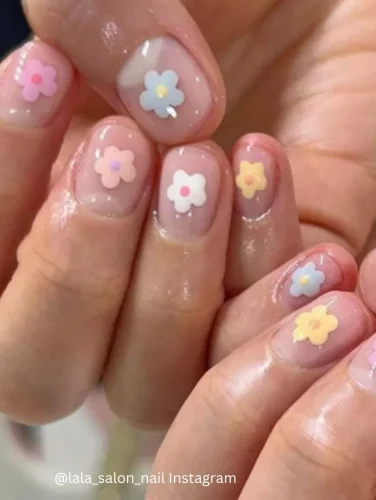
<point>161,94</point>
<point>307,281</point>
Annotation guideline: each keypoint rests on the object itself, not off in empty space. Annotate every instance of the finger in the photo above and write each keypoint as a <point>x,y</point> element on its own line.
<point>237,403</point>
<point>325,437</point>
<point>58,313</point>
<point>36,97</point>
<point>176,290</point>
<point>307,276</point>
<point>150,61</point>
<point>265,227</point>
<point>367,280</point>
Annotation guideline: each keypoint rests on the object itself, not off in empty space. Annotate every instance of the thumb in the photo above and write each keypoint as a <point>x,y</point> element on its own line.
<point>336,197</point>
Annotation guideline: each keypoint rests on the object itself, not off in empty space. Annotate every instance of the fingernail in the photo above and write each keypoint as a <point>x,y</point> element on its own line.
<point>165,90</point>
<point>256,180</point>
<point>33,85</point>
<point>307,279</point>
<point>362,369</point>
<point>189,190</point>
<point>113,172</point>
<point>323,332</point>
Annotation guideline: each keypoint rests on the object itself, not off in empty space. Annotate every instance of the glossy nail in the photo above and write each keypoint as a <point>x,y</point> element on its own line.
<point>114,170</point>
<point>362,369</point>
<point>256,180</point>
<point>165,90</point>
<point>189,190</point>
<point>322,332</point>
<point>34,85</point>
<point>307,279</point>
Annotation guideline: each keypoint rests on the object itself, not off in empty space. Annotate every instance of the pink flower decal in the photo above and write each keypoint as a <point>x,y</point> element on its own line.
<point>114,166</point>
<point>36,80</point>
<point>372,356</point>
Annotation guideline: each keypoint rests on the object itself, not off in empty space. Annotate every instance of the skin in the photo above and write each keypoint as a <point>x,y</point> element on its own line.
<point>309,82</point>
<point>90,300</point>
<point>339,224</point>
<point>294,441</point>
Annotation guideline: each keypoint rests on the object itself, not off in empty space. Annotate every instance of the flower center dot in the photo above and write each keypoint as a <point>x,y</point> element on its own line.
<point>315,324</point>
<point>115,166</point>
<point>162,91</point>
<point>36,79</point>
<point>184,191</point>
<point>304,280</point>
<point>249,180</point>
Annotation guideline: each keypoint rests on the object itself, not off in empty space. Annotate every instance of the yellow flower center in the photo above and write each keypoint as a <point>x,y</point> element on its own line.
<point>314,324</point>
<point>304,280</point>
<point>161,91</point>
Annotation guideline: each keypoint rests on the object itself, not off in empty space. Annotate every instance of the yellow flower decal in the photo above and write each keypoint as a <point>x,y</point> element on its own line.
<point>315,326</point>
<point>251,179</point>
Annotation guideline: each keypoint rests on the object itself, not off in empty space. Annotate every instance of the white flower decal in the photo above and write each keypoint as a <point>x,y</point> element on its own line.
<point>161,95</point>
<point>187,190</point>
<point>307,281</point>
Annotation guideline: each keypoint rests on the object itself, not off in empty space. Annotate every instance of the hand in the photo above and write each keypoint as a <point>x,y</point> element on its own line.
<point>301,71</point>
<point>128,250</point>
<point>120,278</point>
<point>261,425</point>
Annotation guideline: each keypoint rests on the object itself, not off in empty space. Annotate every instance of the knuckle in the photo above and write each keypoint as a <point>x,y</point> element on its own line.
<point>169,304</point>
<point>222,407</point>
<point>305,446</point>
<point>65,274</point>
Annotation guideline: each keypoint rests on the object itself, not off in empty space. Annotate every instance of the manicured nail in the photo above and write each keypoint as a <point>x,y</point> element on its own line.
<point>113,171</point>
<point>256,180</point>
<point>189,190</point>
<point>362,369</point>
<point>33,85</point>
<point>165,90</point>
<point>307,279</point>
<point>323,332</point>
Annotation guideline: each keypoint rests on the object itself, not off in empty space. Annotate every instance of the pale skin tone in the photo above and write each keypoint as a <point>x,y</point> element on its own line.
<point>318,162</point>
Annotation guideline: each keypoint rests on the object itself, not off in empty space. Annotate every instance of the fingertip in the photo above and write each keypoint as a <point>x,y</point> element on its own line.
<point>262,141</point>
<point>367,281</point>
<point>345,262</point>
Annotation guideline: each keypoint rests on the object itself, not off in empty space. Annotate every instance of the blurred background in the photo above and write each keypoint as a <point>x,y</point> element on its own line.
<point>89,442</point>
<point>13,27</point>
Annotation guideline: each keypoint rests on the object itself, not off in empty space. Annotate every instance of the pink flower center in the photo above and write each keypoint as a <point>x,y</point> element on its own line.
<point>115,165</point>
<point>315,324</point>
<point>249,180</point>
<point>184,191</point>
<point>36,79</point>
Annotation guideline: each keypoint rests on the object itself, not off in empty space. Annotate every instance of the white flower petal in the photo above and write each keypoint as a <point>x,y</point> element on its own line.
<point>172,192</point>
<point>147,100</point>
<point>199,199</point>
<point>198,181</point>
<point>182,204</point>
<point>198,194</point>
<point>181,178</point>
